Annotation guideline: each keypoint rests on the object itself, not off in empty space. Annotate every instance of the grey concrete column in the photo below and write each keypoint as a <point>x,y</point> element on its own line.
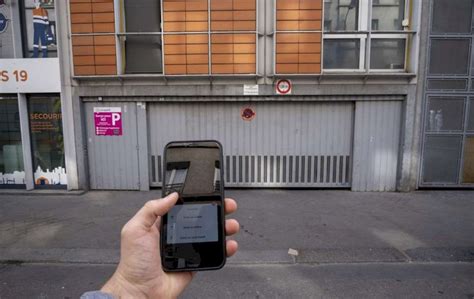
<point>406,175</point>
<point>66,95</point>
<point>142,132</point>
<point>16,28</point>
<point>412,129</point>
<point>26,141</point>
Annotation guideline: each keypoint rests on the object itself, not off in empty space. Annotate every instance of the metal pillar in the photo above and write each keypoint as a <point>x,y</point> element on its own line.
<point>142,133</point>
<point>26,141</point>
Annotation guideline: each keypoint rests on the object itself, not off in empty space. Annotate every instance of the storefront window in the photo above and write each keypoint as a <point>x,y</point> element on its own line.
<point>6,32</point>
<point>47,141</point>
<point>11,155</point>
<point>39,28</point>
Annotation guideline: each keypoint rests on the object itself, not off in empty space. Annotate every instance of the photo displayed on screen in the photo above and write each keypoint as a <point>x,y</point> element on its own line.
<point>195,174</point>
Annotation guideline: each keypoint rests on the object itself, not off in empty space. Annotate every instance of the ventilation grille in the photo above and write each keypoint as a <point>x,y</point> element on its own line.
<point>277,171</point>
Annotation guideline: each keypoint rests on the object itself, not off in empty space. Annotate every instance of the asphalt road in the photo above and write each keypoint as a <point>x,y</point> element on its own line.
<point>393,280</point>
<point>349,244</point>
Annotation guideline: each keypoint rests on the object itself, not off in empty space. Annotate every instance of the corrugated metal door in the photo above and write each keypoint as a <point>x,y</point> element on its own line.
<point>297,144</point>
<point>376,145</point>
<point>113,160</point>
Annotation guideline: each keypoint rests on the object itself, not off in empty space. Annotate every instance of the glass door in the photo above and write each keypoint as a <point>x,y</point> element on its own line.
<point>47,142</point>
<point>12,172</point>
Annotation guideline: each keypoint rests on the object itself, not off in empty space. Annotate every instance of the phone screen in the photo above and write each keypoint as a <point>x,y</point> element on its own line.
<point>195,223</point>
<point>192,231</point>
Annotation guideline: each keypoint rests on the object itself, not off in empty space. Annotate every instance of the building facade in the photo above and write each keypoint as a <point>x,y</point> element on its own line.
<point>31,134</point>
<point>301,93</point>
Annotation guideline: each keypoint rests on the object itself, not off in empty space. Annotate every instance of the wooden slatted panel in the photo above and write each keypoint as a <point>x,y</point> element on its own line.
<point>233,15</point>
<point>186,54</point>
<point>298,52</point>
<point>94,54</point>
<point>185,15</point>
<point>233,53</point>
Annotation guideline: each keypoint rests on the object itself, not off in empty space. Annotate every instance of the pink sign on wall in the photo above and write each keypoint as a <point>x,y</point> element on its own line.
<point>108,121</point>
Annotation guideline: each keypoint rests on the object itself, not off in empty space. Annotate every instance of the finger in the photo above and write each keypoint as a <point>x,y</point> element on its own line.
<point>231,227</point>
<point>230,206</point>
<point>231,247</point>
<point>150,212</point>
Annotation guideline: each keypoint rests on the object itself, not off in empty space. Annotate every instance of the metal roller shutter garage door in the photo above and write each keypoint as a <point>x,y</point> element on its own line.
<point>287,144</point>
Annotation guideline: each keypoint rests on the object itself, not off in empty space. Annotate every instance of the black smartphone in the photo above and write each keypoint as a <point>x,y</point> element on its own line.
<point>192,232</point>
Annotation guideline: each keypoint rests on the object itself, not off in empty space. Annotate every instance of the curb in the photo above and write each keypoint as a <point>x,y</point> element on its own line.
<point>252,257</point>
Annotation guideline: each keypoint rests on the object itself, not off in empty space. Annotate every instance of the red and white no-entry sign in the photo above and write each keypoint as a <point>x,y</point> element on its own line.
<point>283,86</point>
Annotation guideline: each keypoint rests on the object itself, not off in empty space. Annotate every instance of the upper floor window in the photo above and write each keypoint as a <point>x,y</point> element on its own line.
<point>359,36</point>
<point>141,36</point>
<point>39,29</point>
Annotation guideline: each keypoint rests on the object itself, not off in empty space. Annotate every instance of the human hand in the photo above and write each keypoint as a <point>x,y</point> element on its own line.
<point>139,273</point>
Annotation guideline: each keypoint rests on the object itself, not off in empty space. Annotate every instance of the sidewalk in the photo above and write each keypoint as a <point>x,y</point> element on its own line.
<point>324,226</point>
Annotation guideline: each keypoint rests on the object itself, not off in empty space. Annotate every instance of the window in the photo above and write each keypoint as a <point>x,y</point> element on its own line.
<point>387,53</point>
<point>12,172</point>
<point>442,62</point>
<point>451,16</point>
<point>341,53</point>
<point>341,15</point>
<point>441,159</point>
<point>389,14</point>
<point>444,114</point>
<point>39,29</point>
<point>349,35</point>
<point>142,37</point>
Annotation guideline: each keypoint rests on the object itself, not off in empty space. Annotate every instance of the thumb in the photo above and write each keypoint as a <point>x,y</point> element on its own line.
<point>148,214</point>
